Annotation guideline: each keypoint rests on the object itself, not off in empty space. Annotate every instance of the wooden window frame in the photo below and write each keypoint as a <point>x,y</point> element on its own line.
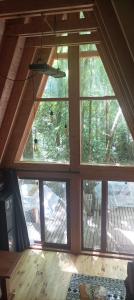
<point>75,172</point>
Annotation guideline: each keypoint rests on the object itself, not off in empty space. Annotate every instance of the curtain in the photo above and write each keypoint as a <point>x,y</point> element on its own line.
<point>21,234</point>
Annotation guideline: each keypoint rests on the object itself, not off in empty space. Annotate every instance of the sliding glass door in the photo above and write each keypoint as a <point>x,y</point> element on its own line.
<point>29,189</point>
<point>46,209</point>
<point>55,212</point>
<point>92,214</point>
<point>108,216</point>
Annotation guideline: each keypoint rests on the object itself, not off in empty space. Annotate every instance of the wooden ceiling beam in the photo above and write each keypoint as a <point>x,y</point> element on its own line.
<point>40,27</point>
<point>71,40</point>
<point>15,8</point>
<point>25,110</point>
<point>6,55</point>
<point>15,99</point>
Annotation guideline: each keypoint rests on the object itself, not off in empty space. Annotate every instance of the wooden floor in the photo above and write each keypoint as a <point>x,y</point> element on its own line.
<point>44,275</point>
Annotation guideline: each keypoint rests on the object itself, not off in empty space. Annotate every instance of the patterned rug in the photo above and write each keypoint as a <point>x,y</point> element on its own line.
<point>115,287</point>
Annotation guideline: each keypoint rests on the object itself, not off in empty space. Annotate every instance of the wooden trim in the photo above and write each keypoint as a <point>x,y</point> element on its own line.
<point>43,99</point>
<point>99,98</point>
<point>104,205</point>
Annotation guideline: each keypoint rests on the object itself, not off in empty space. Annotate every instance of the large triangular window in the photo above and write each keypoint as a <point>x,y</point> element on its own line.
<point>104,134</point>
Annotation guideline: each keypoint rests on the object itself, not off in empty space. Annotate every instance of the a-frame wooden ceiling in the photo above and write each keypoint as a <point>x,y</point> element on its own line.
<point>28,28</point>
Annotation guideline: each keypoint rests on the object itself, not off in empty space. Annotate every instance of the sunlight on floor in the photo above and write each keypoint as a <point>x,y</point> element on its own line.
<point>66,264</point>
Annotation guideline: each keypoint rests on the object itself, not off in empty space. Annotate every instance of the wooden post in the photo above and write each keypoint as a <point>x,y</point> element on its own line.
<point>74,108</point>
<point>75,212</point>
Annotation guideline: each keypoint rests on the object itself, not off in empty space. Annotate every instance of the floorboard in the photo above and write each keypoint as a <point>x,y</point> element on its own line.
<point>45,275</point>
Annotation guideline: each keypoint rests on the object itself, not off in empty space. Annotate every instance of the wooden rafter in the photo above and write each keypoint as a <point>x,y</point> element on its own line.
<point>2,29</point>
<point>10,59</point>
<point>25,110</point>
<point>71,40</point>
<point>10,9</point>
<point>6,57</point>
<point>125,14</point>
<point>119,57</point>
<point>40,27</point>
<point>15,99</point>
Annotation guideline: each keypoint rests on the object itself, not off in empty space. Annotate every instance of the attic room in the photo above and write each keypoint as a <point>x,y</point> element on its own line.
<point>66,150</point>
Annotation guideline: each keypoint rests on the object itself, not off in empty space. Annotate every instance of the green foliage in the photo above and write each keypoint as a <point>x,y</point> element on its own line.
<point>93,78</point>
<point>53,139</point>
<point>95,140</point>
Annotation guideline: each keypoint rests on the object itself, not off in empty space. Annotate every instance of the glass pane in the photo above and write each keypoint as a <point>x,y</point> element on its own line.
<point>55,211</point>
<point>57,87</point>
<point>29,190</point>
<point>93,78</point>
<point>88,47</point>
<point>105,137</point>
<point>63,49</point>
<point>92,214</point>
<point>120,217</point>
<point>51,129</point>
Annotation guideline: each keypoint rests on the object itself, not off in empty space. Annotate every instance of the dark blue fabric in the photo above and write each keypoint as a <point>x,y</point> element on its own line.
<point>21,233</point>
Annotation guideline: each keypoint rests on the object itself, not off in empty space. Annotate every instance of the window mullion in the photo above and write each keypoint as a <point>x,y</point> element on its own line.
<point>74,107</point>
